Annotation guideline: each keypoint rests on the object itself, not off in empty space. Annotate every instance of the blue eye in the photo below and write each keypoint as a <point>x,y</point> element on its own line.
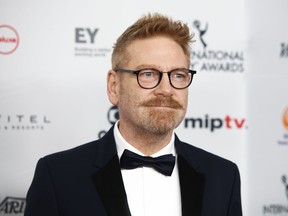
<point>148,74</point>
<point>179,75</point>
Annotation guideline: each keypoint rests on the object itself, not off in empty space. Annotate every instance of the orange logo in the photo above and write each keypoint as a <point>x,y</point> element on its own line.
<point>285,118</point>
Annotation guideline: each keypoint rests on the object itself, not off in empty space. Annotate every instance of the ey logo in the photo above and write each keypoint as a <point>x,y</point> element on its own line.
<point>85,35</point>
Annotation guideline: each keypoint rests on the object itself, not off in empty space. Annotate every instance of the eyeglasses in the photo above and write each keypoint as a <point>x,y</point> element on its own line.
<point>149,78</point>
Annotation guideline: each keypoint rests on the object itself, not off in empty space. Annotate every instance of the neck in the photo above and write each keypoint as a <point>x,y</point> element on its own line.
<point>144,141</point>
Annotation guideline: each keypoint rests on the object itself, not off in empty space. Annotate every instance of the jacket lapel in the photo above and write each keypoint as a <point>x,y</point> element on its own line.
<point>108,179</point>
<point>192,183</point>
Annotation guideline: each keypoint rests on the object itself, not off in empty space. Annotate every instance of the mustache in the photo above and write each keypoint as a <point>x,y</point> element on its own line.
<point>163,101</point>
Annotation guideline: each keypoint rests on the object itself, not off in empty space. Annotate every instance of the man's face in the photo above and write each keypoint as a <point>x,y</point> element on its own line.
<point>158,110</point>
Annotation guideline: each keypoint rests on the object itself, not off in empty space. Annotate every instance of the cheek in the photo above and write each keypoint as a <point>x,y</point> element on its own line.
<point>131,93</point>
<point>183,98</point>
<point>186,99</point>
<point>127,96</point>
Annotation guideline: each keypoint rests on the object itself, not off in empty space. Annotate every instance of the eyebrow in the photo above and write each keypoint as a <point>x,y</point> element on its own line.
<point>142,66</point>
<point>146,66</point>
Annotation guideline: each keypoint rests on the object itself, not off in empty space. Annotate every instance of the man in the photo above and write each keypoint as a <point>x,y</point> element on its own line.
<point>149,84</point>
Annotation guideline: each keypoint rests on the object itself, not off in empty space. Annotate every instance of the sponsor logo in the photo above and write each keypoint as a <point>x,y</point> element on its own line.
<point>284,139</point>
<point>86,43</point>
<point>285,118</point>
<point>284,50</point>
<point>202,31</point>
<point>214,123</point>
<point>112,117</point>
<point>278,209</point>
<point>9,39</point>
<point>12,206</point>
<point>23,122</point>
<point>215,59</point>
<point>285,182</point>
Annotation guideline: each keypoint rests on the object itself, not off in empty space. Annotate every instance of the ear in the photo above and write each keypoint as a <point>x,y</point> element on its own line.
<point>112,87</point>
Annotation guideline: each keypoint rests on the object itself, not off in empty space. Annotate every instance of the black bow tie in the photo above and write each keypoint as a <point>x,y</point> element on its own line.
<point>163,164</point>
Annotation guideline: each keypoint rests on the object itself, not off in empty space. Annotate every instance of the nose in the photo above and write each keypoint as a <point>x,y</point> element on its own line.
<point>164,88</point>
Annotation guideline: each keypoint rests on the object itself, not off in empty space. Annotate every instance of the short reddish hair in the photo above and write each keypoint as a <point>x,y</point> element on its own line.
<point>149,26</point>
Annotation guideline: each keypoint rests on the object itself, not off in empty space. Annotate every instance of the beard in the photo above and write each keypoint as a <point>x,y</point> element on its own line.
<point>161,115</point>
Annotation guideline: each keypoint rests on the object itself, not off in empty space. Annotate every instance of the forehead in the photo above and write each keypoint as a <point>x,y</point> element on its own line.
<point>163,52</point>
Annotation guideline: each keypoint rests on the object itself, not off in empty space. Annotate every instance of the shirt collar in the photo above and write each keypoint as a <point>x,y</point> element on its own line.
<point>122,144</point>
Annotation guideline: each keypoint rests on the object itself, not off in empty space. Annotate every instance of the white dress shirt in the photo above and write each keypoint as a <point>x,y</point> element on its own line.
<point>149,192</point>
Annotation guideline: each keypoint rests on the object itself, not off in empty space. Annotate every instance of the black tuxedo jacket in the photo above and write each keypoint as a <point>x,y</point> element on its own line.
<point>87,181</point>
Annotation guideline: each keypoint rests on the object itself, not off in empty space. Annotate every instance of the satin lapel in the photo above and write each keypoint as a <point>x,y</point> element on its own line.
<point>108,179</point>
<point>110,186</point>
<point>192,183</point>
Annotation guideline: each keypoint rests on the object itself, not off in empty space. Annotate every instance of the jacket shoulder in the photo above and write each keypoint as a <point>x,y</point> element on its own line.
<point>204,160</point>
<point>79,154</point>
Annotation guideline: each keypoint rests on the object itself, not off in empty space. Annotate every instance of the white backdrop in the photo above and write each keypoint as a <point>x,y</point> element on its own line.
<point>267,99</point>
<point>54,57</point>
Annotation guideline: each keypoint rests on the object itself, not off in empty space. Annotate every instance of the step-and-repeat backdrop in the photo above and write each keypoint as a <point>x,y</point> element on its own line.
<point>54,57</point>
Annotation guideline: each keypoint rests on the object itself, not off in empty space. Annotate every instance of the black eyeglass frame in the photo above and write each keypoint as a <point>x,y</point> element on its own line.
<point>136,72</point>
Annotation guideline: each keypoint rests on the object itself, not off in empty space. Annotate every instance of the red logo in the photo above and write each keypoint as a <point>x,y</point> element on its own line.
<point>9,39</point>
